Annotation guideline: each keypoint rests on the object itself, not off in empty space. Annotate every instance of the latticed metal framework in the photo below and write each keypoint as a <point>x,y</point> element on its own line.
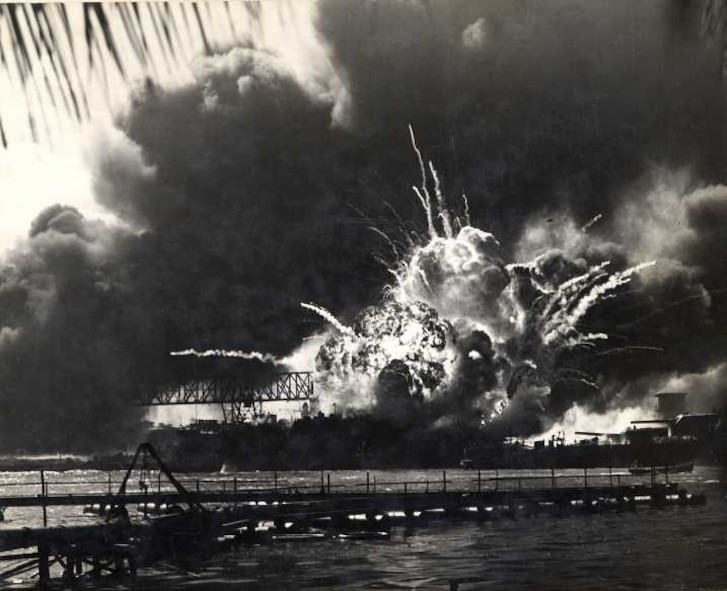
<point>236,396</point>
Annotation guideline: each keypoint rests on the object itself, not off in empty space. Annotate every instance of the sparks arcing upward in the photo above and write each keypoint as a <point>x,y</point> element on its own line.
<point>423,195</point>
<point>441,203</point>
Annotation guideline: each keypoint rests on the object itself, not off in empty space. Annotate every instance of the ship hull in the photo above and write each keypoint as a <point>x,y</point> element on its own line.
<point>505,456</point>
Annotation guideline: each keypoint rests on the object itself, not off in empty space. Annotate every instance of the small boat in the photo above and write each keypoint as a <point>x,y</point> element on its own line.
<point>673,469</point>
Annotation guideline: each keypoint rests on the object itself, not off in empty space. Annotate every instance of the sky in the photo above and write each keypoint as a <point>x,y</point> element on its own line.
<point>577,150</point>
<point>55,168</point>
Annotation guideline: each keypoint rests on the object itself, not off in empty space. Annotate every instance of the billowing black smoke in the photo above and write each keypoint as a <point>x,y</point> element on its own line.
<point>241,195</point>
<point>70,336</point>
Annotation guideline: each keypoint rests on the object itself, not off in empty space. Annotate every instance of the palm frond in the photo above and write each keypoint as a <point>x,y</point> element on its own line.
<point>3,137</point>
<point>53,49</point>
<point>136,41</point>
<point>24,67</point>
<point>45,41</point>
<point>230,20</point>
<point>40,65</point>
<point>42,45</point>
<point>151,11</point>
<point>161,17</point>
<point>63,15</point>
<point>98,9</point>
<point>205,42</point>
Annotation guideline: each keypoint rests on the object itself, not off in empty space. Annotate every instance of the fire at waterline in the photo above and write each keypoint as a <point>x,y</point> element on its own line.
<point>464,354</point>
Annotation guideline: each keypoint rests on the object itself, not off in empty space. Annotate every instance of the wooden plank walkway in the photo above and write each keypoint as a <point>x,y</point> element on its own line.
<point>223,497</point>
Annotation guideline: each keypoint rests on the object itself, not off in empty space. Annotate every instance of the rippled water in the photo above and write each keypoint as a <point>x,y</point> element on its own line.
<point>672,548</point>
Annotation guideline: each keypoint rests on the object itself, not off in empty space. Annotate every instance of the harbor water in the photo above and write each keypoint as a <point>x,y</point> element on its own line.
<point>669,548</point>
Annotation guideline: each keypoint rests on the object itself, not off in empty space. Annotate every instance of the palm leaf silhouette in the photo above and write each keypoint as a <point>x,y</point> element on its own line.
<point>41,46</point>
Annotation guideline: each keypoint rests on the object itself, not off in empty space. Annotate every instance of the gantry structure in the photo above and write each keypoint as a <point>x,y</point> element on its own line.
<point>234,394</point>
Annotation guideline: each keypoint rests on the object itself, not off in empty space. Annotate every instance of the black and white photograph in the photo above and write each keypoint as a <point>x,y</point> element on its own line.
<point>363,294</point>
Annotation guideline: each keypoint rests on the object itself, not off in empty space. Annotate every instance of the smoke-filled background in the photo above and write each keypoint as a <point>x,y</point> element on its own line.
<point>581,133</point>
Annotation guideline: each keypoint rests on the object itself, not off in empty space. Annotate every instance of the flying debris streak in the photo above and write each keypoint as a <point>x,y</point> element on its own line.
<point>677,303</point>
<point>593,221</point>
<point>330,318</point>
<point>576,297</point>
<point>630,349</point>
<point>423,195</point>
<point>441,203</point>
<point>250,355</point>
<point>466,203</point>
<point>600,291</point>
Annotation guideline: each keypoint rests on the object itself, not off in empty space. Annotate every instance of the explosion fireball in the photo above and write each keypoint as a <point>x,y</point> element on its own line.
<point>462,335</point>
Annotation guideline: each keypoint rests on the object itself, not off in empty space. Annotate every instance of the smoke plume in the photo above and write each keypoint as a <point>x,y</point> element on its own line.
<point>255,188</point>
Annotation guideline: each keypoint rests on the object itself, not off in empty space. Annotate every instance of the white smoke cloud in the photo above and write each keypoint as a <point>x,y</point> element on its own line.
<point>578,418</point>
<point>652,220</point>
<point>462,276</point>
<point>549,231</point>
<point>9,335</point>
<point>705,391</point>
<point>474,36</point>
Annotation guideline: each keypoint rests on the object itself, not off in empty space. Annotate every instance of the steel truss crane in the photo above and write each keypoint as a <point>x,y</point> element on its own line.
<point>234,394</point>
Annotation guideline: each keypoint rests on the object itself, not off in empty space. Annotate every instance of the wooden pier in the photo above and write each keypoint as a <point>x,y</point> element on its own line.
<point>135,528</point>
<point>97,502</point>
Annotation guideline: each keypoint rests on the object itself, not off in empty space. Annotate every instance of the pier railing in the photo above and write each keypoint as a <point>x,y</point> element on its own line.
<point>47,489</point>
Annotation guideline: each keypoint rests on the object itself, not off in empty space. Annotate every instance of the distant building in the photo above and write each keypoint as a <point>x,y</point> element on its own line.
<point>671,404</point>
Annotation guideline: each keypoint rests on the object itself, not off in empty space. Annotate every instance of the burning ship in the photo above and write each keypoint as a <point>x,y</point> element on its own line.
<point>464,349</point>
<point>674,440</point>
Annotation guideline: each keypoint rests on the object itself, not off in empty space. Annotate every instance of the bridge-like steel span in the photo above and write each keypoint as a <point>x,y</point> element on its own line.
<point>234,394</point>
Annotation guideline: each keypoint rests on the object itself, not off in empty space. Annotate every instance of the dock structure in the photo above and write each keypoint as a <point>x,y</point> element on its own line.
<point>93,550</point>
<point>384,499</point>
<point>178,520</point>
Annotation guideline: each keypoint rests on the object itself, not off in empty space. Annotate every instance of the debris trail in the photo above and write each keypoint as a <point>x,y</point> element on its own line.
<point>423,195</point>
<point>264,357</point>
<point>594,220</point>
<point>444,213</point>
<point>330,318</point>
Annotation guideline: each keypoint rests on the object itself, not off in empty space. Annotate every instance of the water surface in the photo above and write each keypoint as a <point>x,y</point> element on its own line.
<point>672,548</point>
